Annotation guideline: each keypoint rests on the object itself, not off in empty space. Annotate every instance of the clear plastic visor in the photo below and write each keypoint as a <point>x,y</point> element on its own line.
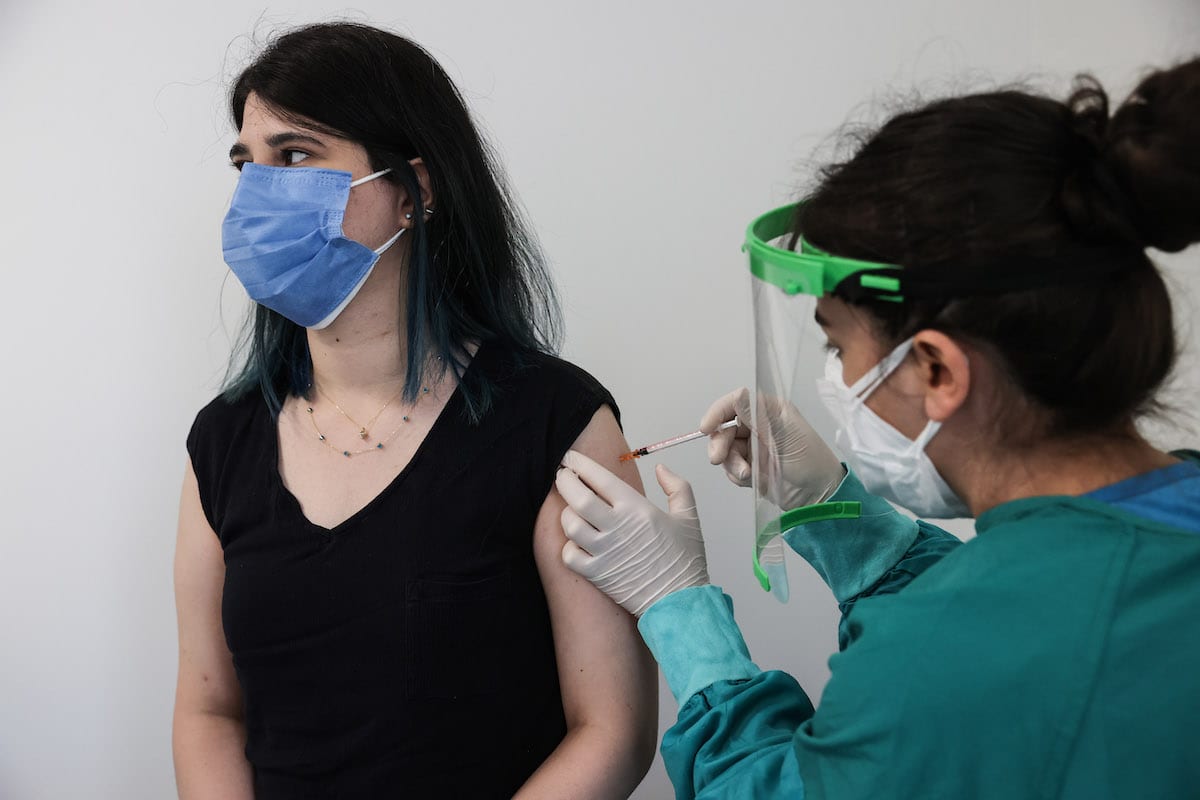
<point>789,355</point>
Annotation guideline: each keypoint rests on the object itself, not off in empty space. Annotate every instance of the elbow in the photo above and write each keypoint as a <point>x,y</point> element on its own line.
<point>622,748</point>
<point>637,752</point>
<point>642,759</point>
<point>641,738</point>
<point>643,741</point>
<point>646,742</point>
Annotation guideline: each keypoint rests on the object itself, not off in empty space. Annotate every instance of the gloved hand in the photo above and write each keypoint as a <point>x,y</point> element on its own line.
<point>630,549</point>
<point>805,471</point>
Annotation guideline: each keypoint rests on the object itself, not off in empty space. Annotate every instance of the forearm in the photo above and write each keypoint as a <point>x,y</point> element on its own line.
<point>210,760</point>
<point>736,723</point>
<point>590,762</point>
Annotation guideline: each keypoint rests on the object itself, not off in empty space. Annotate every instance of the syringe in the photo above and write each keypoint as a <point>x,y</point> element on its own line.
<point>664,444</point>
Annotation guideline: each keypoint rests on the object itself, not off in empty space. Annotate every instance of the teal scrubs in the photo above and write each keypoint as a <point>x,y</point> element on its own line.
<point>1055,655</point>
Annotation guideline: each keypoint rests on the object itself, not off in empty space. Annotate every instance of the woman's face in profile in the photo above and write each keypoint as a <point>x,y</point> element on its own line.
<point>373,212</point>
<point>849,334</point>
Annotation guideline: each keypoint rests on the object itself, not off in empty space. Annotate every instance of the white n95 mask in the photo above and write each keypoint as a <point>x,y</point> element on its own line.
<point>887,462</point>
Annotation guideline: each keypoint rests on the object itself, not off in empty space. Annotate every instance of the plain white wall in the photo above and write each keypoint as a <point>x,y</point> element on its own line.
<point>641,136</point>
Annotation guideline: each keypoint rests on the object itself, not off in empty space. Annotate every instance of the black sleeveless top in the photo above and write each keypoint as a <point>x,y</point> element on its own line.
<point>407,652</point>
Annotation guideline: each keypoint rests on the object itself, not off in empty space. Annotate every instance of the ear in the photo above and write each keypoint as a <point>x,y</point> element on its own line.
<point>945,372</point>
<point>407,206</point>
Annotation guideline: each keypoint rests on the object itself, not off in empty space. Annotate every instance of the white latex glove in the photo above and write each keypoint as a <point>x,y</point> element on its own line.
<point>808,470</point>
<point>629,548</point>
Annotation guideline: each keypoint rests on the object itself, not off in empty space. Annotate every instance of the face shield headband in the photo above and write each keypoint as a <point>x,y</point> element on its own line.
<point>813,271</point>
<point>810,270</point>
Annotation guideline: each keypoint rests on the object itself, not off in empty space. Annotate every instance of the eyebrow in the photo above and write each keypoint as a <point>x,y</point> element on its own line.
<point>277,140</point>
<point>824,323</point>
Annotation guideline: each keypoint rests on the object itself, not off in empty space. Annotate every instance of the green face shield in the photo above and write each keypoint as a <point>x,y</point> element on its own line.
<point>789,354</point>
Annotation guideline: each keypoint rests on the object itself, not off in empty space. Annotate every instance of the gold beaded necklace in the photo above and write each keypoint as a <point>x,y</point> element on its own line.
<point>363,431</point>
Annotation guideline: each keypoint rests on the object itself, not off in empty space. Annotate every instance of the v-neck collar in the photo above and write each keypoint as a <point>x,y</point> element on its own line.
<point>452,409</point>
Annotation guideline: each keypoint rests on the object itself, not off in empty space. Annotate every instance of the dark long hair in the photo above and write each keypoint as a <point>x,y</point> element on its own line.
<point>1056,199</point>
<point>475,271</point>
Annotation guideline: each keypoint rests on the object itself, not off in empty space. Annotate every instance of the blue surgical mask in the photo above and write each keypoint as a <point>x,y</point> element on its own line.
<point>283,240</point>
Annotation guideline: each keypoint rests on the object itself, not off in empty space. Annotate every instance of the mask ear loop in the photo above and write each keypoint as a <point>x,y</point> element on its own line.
<point>868,383</point>
<point>383,248</point>
<point>371,177</point>
<point>886,367</point>
<point>928,432</point>
<point>365,179</point>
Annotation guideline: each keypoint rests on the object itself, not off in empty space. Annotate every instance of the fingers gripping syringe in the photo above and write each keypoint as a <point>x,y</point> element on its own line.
<point>663,445</point>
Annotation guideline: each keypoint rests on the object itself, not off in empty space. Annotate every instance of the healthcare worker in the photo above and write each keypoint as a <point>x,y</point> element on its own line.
<point>995,328</point>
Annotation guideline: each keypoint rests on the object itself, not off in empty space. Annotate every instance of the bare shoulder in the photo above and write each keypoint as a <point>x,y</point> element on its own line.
<point>603,442</point>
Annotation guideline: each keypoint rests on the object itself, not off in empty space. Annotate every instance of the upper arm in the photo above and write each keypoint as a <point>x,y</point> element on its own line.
<point>207,682</point>
<point>606,673</point>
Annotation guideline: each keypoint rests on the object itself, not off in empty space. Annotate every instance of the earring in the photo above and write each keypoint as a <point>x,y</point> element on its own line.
<point>408,216</point>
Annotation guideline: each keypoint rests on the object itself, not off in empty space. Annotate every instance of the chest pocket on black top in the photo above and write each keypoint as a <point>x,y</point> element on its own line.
<point>460,636</point>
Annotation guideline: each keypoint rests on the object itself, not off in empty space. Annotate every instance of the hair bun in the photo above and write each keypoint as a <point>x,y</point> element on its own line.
<point>1097,206</point>
<point>1152,151</point>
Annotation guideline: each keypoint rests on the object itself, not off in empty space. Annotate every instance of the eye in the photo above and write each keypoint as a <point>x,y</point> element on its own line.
<point>293,157</point>
<point>830,347</point>
<point>237,165</point>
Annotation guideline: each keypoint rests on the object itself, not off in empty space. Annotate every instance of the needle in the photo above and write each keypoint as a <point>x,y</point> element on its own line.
<point>664,444</point>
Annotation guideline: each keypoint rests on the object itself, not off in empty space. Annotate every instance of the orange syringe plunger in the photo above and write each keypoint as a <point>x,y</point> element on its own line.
<point>665,443</point>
